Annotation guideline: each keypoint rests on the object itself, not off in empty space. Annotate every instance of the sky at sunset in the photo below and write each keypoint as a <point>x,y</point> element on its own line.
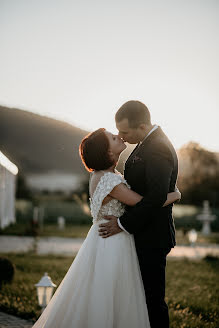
<point>79,61</point>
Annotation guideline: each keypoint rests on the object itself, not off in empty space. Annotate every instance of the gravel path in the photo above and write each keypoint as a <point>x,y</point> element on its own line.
<point>8,320</point>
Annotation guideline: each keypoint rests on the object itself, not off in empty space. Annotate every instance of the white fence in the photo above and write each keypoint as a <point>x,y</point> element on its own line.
<point>8,172</point>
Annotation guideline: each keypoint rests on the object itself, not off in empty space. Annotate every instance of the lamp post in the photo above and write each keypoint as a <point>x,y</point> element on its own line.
<point>44,290</point>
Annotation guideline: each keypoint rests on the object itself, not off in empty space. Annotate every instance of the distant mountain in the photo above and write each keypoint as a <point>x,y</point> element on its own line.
<point>38,144</point>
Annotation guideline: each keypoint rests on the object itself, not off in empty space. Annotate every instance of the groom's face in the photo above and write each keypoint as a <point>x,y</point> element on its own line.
<point>130,135</point>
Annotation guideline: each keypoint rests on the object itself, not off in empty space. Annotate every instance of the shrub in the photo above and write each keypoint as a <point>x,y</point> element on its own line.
<point>7,270</point>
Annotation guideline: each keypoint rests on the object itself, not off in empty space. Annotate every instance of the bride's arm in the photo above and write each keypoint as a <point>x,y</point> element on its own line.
<point>125,195</point>
<point>131,198</point>
<point>172,197</point>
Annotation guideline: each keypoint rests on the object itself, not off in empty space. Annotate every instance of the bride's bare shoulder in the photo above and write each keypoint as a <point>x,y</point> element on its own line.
<point>96,175</point>
<point>94,179</point>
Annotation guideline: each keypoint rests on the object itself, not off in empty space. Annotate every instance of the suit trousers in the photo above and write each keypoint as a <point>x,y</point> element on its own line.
<point>153,264</point>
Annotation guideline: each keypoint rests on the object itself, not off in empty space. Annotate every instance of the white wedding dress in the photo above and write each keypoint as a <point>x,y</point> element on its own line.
<point>103,287</point>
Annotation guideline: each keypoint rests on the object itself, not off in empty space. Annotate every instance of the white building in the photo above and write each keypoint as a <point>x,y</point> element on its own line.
<point>54,180</point>
<point>8,172</point>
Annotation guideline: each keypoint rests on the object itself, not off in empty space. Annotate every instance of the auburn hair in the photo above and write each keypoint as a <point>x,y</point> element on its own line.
<point>94,149</point>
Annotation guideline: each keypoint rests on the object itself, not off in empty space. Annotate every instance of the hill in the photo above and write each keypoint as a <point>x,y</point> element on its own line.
<point>38,144</point>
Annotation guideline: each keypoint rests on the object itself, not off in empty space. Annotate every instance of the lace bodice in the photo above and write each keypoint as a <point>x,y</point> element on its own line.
<point>114,207</point>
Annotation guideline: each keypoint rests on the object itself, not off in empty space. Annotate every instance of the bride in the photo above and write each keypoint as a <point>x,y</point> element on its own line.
<point>103,286</point>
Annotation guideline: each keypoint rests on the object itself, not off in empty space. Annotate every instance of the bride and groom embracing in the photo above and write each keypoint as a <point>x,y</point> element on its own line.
<point>117,279</point>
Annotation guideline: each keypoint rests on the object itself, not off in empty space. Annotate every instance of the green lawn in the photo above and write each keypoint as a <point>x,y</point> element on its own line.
<point>80,231</point>
<point>49,230</point>
<point>78,222</point>
<point>192,293</point>
<point>192,288</point>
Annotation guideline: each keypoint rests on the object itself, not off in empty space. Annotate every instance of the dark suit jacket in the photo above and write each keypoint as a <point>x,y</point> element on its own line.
<point>151,170</point>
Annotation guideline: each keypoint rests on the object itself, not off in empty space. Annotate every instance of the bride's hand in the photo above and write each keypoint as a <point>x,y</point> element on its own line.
<point>178,193</point>
<point>110,228</point>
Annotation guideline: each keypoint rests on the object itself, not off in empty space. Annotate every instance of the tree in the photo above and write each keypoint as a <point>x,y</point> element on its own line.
<point>22,190</point>
<point>198,174</point>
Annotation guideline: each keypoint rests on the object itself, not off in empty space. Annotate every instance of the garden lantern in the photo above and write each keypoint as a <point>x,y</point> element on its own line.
<point>44,290</point>
<point>192,234</point>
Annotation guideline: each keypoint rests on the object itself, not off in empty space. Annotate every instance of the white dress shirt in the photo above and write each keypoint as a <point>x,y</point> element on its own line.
<point>152,130</point>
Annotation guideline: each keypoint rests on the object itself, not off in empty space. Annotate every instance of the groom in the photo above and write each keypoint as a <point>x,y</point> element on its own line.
<point>151,170</point>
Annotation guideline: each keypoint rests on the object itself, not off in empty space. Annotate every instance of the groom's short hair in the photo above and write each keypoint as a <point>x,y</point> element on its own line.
<point>135,111</point>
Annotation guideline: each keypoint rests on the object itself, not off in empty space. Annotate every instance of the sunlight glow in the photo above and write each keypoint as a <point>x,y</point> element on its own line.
<point>79,62</point>
<point>4,161</point>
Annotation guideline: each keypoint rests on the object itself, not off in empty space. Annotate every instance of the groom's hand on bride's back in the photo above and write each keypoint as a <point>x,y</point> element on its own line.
<point>109,228</point>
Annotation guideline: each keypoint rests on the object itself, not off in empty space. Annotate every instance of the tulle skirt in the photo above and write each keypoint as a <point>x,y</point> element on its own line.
<point>103,287</point>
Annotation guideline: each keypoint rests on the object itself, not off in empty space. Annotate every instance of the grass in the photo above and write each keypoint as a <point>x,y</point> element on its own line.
<point>49,230</point>
<point>78,221</point>
<point>192,293</point>
<point>80,231</point>
<point>182,239</point>
<point>192,288</point>
<point>19,298</point>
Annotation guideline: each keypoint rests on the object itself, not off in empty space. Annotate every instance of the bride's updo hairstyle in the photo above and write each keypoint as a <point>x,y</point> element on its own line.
<point>94,151</point>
